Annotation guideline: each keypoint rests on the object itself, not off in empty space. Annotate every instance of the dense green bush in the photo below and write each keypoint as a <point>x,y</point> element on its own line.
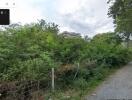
<point>107,48</point>
<point>28,52</point>
<point>32,69</point>
<point>80,83</point>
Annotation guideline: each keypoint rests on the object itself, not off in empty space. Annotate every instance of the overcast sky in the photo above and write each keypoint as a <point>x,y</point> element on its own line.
<point>88,17</point>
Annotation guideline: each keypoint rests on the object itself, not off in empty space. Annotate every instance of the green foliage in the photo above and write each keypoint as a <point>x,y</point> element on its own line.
<point>121,12</point>
<point>66,47</point>
<point>26,50</point>
<point>107,48</point>
<point>32,69</point>
<point>29,52</point>
<point>80,83</point>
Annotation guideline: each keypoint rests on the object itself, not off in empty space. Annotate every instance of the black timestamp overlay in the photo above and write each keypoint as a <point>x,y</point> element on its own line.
<point>4,16</point>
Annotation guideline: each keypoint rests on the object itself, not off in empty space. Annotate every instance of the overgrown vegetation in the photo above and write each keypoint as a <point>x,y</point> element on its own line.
<point>121,12</point>
<point>29,52</point>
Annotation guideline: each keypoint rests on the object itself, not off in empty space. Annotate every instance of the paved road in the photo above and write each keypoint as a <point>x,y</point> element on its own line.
<point>117,87</point>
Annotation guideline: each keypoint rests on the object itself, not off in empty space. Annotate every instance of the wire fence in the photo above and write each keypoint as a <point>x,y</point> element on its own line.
<point>22,90</point>
<point>35,89</point>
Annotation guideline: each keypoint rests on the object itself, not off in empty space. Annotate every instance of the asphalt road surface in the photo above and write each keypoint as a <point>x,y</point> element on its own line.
<point>117,87</point>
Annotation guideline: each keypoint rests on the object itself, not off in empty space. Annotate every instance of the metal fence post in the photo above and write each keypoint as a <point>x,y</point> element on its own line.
<point>53,81</point>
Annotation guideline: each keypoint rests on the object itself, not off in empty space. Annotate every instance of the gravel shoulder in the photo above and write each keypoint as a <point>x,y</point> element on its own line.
<point>117,87</point>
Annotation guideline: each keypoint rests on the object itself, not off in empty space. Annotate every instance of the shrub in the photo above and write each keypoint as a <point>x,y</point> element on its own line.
<point>80,83</point>
<point>28,52</point>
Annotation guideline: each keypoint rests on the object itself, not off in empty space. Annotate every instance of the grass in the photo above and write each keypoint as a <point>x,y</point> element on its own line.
<point>79,93</point>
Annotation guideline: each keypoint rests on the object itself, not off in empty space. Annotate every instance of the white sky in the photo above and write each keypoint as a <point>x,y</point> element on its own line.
<point>81,16</point>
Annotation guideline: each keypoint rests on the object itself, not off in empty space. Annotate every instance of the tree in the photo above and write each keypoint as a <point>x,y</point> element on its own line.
<point>121,12</point>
